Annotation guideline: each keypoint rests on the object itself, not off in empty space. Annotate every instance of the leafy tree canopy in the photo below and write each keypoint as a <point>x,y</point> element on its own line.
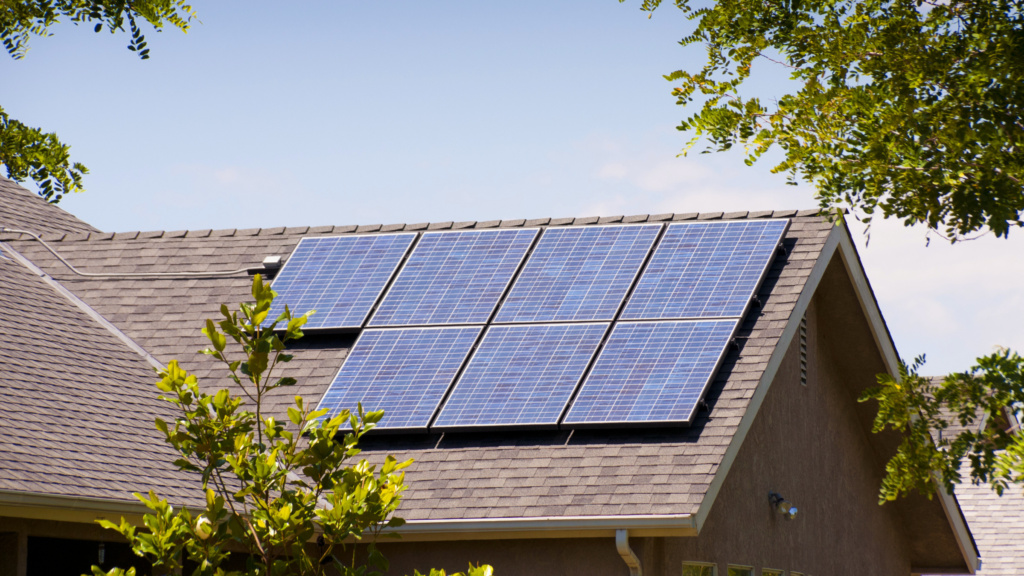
<point>29,153</point>
<point>910,109</point>
<point>907,108</point>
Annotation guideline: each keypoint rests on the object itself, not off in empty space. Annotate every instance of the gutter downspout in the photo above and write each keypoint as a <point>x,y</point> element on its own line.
<point>622,545</point>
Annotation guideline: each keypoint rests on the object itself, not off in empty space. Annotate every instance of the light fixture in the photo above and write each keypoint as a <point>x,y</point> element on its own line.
<point>782,506</point>
<point>101,554</point>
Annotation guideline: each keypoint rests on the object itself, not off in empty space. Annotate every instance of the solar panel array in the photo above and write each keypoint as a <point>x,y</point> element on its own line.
<point>585,326</point>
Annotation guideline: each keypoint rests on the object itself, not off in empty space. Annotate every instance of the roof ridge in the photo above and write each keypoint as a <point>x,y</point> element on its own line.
<point>424,226</point>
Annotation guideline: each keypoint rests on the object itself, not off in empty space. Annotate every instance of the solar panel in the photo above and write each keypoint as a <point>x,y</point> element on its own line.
<point>578,274</point>
<point>521,375</point>
<point>341,277</point>
<point>705,270</point>
<point>454,278</point>
<point>404,372</point>
<point>651,372</point>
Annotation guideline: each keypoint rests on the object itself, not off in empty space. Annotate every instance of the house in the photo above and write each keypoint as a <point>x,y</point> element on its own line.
<point>87,314</point>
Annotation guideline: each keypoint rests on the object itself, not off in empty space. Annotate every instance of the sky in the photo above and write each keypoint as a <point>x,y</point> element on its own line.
<point>269,114</point>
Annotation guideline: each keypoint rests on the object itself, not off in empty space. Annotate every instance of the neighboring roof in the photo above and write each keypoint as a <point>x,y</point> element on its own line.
<point>998,526</point>
<point>22,209</point>
<point>627,472</point>
<point>76,404</point>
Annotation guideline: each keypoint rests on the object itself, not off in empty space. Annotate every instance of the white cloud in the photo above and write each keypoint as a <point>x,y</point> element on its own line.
<point>953,302</point>
<point>613,171</point>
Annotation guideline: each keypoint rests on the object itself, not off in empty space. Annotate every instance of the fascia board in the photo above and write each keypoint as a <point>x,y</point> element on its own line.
<point>868,303</point>
<point>88,510</point>
<point>968,547</point>
<point>64,508</point>
<point>547,527</point>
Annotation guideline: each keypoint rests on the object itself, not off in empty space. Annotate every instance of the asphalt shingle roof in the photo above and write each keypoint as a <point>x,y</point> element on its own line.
<point>76,405</point>
<point>479,476</point>
<point>24,210</point>
<point>998,526</point>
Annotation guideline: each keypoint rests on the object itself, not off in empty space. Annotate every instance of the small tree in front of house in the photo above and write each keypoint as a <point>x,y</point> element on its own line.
<point>287,496</point>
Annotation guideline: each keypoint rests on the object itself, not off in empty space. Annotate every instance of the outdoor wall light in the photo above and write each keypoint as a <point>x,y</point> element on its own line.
<point>782,506</point>
<point>101,554</point>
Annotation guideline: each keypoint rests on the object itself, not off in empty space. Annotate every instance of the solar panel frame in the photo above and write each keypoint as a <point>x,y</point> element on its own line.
<point>314,322</point>
<point>632,315</point>
<point>537,347</point>
<point>428,401</point>
<point>376,321</point>
<point>508,315</point>
<point>732,324</point>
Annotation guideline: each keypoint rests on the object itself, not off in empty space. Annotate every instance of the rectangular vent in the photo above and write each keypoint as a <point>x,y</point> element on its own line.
<point>803,350</point>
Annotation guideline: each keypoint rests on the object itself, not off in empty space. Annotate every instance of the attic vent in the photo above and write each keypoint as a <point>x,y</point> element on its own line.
<point>803,350</point>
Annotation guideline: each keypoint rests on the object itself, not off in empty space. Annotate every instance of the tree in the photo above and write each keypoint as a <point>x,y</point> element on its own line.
<point>908,108</point>
<point>911,109</point>
<point>923,409</point>
<point>30,153</point>
<point>284,494</point>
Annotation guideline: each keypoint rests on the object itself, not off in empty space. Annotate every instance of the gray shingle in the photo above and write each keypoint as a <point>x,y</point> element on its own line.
<point>21,209</point>
<point>95,438</point>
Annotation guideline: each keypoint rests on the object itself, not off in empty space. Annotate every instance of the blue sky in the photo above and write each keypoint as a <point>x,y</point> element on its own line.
<point>268,114</point>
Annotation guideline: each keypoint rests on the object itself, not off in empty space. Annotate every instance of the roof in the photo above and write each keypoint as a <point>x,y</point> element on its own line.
<point>22,209</point>
<point>74,399</point>
<point>590,474</point>
<point>998,526</point>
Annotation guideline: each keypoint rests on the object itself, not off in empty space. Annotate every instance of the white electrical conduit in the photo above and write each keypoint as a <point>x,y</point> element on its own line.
<point>124,274</point>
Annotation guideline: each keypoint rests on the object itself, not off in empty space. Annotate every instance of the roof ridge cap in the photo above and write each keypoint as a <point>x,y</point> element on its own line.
<point>423,226</point>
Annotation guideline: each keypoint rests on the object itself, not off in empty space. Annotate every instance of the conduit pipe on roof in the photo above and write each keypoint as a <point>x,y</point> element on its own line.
<point>622,545</point>
<point>124,274</point>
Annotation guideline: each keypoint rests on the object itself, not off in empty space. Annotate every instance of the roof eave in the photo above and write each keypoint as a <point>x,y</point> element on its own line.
<point>548,527</point>
<point>68,508</point>
<point>65,508</point>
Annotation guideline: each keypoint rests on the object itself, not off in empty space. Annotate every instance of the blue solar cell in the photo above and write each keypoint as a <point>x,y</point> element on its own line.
<point>341,277</point>
<point>454,278</point>
<point>578,274</point>
<point>651,372</point>
<point>404,372</point>
<point>705,270</point>
<point>521,375</point>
